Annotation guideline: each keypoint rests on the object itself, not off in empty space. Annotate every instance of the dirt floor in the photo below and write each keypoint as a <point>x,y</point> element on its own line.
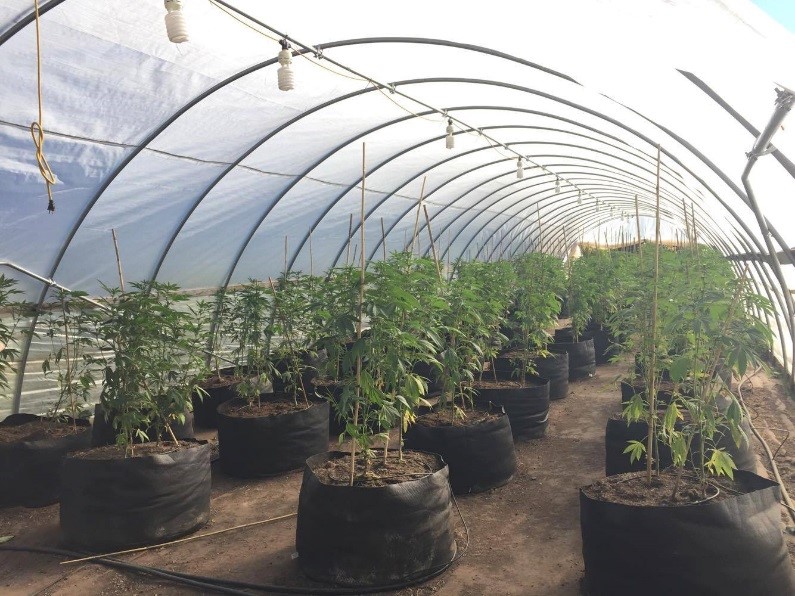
<point>524,538</point>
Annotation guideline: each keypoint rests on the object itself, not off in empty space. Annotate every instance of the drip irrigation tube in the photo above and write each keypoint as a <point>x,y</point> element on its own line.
<point>784,494</point>
<point>224,586</point>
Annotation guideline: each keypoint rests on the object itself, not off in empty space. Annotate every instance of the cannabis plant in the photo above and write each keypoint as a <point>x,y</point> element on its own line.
<point>250,325</point>
<point>70,324</point>
<point>11,311</point>
<point>152,352</point>
<point>295,327</point>
<point>540,279</point>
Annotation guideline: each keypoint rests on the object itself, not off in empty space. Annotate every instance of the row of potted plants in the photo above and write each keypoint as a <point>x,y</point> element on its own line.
<point>146,348</point>
<point>422,327</point>
<point>694,516</point>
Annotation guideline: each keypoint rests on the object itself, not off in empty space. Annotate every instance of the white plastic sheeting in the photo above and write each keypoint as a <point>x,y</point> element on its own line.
<point>584,88</point>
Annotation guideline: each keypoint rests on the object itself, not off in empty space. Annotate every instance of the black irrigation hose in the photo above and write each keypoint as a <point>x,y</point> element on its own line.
<point>225,586</point>
<point>193,581</point>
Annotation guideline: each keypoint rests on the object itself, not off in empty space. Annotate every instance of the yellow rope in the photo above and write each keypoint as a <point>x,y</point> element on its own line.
<point>37,128</point>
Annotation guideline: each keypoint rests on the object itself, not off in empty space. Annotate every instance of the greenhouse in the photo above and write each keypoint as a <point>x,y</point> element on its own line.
<point>344,298</point>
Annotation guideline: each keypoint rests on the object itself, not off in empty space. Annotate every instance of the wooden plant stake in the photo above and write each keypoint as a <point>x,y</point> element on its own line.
<point>433,244</point>
<point>383,237</point>
<point>637,222</point>
<point>417,218</point>
<point>118,259</point>
<point>651,384</point>
<point>360,307</point>
<point>350,233</point>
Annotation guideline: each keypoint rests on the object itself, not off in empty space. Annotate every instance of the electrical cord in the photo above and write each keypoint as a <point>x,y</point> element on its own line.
<point>36,127</point>
<point>225,586</point>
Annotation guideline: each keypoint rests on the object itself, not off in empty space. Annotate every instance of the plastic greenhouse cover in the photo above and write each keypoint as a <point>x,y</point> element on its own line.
<point>203,167</point>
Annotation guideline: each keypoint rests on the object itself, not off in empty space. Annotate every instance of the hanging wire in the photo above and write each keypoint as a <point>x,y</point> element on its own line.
<point>309,52</point>
<point>37,127</point>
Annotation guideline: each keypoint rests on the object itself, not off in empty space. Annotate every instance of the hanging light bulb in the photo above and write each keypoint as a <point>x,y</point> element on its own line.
<point>579,197</point>
<point>449,140</point>
<point>176,24</point>
<point>285,72</point>
<point>519,168</point>
<point>557,185</point>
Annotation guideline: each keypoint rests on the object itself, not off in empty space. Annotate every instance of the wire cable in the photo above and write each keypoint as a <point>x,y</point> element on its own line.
<point>308,51</point>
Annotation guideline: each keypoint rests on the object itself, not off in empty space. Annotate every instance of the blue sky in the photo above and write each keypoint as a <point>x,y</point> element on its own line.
<point>781,10</point>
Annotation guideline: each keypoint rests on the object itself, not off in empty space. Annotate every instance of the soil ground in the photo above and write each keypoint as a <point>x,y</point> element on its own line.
<point>524,538</point>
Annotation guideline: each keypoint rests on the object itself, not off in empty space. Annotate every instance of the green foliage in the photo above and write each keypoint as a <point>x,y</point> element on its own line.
<point>10,316</point>
<point>636,450</point>
<point>597,290</point>
<point>495,284</point>
<point>250,317</point>
<point>70,324</point>
<point>540,281</point>
<point>465,330</point>
<point>708,323</point>
<point>215,314</point>
<point>152,356</point>
<point>401,302</point>
<point>335,314</point>
<point>296,328</point>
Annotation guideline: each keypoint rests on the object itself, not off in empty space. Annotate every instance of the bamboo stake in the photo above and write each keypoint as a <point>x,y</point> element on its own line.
<point>651,385</point>
<point>417,218</point>
<point>311,257</point>
<point>448,252</point>
<point>359,319</point>
<point>118,259</point>
<point>637,222</point>
<point>540,234</point>
<point>687,222</point>
<point>285,254</point>
<point>433,244</point>
<point>383,237</point>
<point>350,234</point>
<point>693,225</point>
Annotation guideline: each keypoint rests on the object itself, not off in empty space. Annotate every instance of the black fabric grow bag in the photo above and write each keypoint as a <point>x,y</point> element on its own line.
<point>112,504</point>
<point>311,361</point>
<point>429,373</point>
<point>566,335</point>
<point>664,396</point>
<point>554,367</point>
<point>582,357</point>
<point>331,392</point>
<point>267,445</point>
<point>617,433</point>
<point>732,547</point>
<point>205,410</point>
<point>604,342</point>
<point>371,536</point>
<point>480,456</point>
<point>102,432</point>
<point>29,470</point>
<point>527,407</point>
